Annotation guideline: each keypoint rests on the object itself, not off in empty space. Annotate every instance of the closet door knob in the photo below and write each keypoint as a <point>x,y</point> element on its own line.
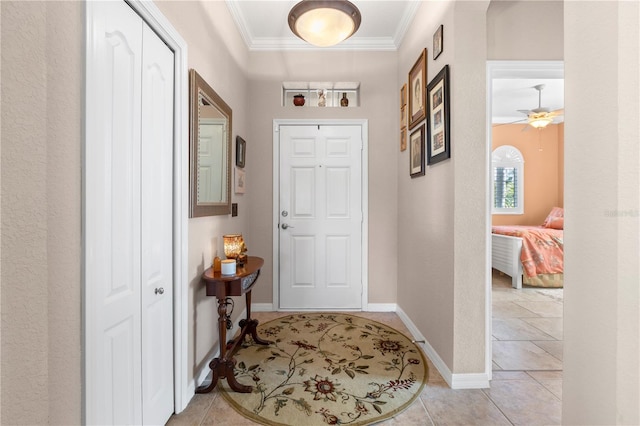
<point>160,290</point>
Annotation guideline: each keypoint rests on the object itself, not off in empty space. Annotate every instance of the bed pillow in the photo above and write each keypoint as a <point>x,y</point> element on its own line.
<point>555,213</point>
<point>556,223</point>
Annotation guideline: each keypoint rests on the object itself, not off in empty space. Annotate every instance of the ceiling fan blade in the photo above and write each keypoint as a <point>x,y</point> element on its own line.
<point>525,111</point>
<point>558,111</point>
<point>511,122</point>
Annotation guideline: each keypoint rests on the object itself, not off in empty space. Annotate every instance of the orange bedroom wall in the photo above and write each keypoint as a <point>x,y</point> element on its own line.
<point>543,152</point>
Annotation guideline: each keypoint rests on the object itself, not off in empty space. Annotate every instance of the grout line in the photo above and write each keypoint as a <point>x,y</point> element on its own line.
<point>484,391</point>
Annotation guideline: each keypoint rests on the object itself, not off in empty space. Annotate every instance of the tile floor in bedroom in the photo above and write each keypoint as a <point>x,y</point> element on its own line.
<point>527,370</point>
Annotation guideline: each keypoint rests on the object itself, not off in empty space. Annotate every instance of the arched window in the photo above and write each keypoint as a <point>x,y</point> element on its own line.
<point>507,174</point>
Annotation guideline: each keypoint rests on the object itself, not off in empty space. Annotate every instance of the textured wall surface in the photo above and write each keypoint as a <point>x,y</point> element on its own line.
<point>602,210</point>
<point>25,330</point>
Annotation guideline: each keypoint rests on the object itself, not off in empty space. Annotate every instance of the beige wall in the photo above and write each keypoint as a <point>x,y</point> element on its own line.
<point>525,30</point>
<point>602,207</point>
<point>42,79</point>
<point>218,54</point>
<point>542,170</point>
<point>376,72</point>
<point>442,216</point>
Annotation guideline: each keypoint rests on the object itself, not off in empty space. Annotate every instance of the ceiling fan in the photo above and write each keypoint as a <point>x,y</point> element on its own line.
<point>540,117</point>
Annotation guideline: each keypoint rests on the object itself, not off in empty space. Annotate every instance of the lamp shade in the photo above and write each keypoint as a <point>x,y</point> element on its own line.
<point>324,23</point>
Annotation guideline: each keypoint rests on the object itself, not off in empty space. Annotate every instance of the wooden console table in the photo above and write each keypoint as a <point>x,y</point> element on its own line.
<point>223,286</point>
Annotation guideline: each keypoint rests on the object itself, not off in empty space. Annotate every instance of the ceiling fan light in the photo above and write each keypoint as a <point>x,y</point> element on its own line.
<point>541,122</point>
<point>324,23</point>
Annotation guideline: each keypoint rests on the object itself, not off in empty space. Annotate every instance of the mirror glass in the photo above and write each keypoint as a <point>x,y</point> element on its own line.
<point>210,150</point>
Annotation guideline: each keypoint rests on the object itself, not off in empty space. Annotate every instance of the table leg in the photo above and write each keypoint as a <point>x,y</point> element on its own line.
<point>219,367</point>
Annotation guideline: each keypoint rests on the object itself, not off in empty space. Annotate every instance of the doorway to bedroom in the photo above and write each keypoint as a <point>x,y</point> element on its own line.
<point>526,185</point>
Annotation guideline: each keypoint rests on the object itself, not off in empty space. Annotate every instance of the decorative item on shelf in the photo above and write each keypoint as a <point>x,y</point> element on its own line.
<point>344,102</point>
<point>298,100</point>
<point>322,98</point>
<point>216,264</point>
<point>235,248</point>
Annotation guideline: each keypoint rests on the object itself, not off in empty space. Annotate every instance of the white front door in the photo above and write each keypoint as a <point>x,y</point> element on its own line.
<point>320,214</point>
<point>128,222</point>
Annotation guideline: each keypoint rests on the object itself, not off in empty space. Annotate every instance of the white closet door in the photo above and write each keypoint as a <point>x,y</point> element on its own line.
<point>128,220</point>
<point>157,222</point>
<point>112,218</point>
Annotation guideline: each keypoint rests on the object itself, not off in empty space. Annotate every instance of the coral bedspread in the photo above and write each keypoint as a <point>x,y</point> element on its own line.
<point>542,253</point>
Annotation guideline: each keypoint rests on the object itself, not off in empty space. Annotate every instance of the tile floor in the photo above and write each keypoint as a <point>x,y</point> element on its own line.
<point>527,379</point>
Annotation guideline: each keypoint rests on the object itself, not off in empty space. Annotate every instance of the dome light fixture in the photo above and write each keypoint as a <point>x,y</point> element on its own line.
<point>540,122</point>
<point>324,23</point>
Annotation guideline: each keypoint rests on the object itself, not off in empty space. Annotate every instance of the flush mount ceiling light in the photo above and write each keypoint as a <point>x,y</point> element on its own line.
<point>324,23</point>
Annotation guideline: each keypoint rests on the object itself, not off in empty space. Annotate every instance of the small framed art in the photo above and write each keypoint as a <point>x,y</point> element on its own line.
<point>241,151</point>
<point>438,134</point>
<point>239,181</point>
<point>403,139</point>
<point>416,152</point>
<point>417,78</point>
<point>437,42</point>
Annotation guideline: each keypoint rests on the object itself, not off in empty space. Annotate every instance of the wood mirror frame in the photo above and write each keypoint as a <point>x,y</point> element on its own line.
<point>210,175</point>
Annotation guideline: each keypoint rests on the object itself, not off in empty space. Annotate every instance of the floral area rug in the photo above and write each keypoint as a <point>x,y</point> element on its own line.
<point>327,369</point>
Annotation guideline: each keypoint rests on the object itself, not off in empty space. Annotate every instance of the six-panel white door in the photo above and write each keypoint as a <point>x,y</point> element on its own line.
<point>128,220</point>
<point>320,231</point>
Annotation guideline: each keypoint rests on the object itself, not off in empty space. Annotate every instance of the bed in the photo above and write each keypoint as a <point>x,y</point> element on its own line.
<point>533,255</point>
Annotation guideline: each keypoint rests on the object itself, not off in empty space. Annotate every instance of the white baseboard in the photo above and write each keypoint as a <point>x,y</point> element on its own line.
<point>455,381</point>
<point>262,307</point>
<point>380,307</point>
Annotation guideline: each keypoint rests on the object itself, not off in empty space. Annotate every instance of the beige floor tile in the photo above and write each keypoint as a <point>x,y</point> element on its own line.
<point>552,380</point>
<point>550,326</point>
<point>517,329</point>
<point>510,375</point>
<point>222,414</point>
<point>195,411</point>
<point>460,407</point>
<point>543,309</point>
<point>415,415</point>
<point>495,367</point>
<point>512,310</point>
<point>510,355</point>
<point>554,347</point>
<point>526,402</point>
<point>542,295</point>
<point>507,295</point>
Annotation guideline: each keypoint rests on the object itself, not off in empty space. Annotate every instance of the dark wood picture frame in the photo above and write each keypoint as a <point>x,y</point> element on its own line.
<point>241,151</point>
<point>416,152</point>
<point>438,40</point>
<point>438,132</point>
<point>417,94</point>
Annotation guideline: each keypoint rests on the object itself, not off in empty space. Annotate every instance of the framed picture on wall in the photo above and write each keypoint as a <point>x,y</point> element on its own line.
<point>416,152</point>
<point>417,83</point>
<point>403,139</point>
<point>437,42</point>
<point>239,181</point>
<point>241,151</point>
<point>438,134</point>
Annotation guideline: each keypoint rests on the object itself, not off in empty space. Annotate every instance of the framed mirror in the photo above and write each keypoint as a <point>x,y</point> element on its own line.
<point>209,150</point>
